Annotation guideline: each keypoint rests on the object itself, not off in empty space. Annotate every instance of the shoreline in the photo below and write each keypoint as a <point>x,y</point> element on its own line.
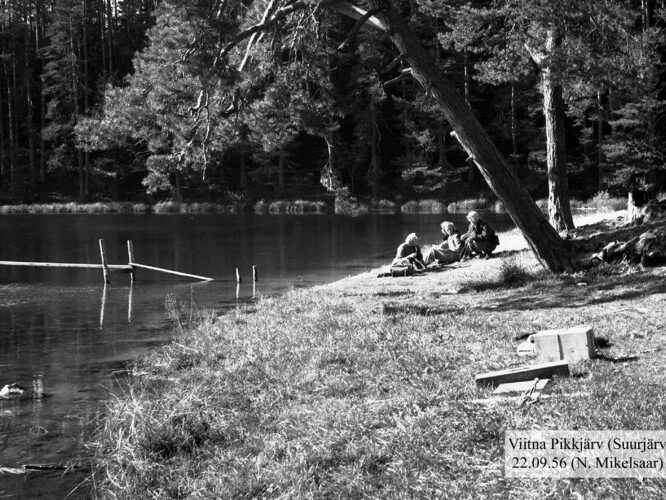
<point>365,387</point>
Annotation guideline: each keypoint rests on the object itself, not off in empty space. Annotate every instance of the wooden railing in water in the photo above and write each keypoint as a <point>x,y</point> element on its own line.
<point>130,267</point>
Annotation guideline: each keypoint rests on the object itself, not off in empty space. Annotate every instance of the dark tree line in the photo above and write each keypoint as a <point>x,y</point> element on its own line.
<point>115,98</point>
<point>56,58</point>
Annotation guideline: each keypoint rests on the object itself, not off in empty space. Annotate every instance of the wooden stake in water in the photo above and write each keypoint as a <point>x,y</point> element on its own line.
<point>130,256</point>
<point>255,276</point>
<point>238,276</point>
<point>129,303</point>
<point>101,309</point>
<point>105,268</point>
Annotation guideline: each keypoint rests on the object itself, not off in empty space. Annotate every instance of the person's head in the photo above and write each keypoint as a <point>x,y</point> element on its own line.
<point>448,228</point>
<point>412,239</point>
<point>473,217</point>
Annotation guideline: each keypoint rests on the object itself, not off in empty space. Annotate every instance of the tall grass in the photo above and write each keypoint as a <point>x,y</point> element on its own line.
<point>387,204</point>
<point>336,394</point>
<point>291,207</point>
<point>427,206</point>
<point>604,202</point>
<point>463,206</point>
<point>110,207</point>
<point>347,204</point>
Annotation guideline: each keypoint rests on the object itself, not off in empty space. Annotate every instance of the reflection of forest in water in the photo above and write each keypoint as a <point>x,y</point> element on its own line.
<point>65,333</point>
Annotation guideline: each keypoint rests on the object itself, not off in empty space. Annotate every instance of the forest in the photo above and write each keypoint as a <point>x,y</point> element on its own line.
<point>235,100</point>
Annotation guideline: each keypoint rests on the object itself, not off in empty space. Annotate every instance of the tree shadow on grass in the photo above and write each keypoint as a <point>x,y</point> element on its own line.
<point>552,295</point>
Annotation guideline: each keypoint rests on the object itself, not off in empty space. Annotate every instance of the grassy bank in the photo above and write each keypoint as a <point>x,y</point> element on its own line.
<point>365,388</point>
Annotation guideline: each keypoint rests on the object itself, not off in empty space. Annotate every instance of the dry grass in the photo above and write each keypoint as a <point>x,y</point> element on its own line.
<point>364,388</point>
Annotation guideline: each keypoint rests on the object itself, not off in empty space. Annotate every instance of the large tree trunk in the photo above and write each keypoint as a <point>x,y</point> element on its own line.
<point>514,122</point>
<point>375,160</point>
<point>29,106</point>
<point>10,128</point>
<point>600,140</point>
<point>559,209</point>
<point>2,135</point>
<point>553,253</point>
<point>243,164</point>
<point>282,160</point>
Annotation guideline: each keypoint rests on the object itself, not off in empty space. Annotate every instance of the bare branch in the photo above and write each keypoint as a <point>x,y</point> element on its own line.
<point>357,27</point>
<point>393,63</point>
<point>268,12</point>
<point>339,6</point>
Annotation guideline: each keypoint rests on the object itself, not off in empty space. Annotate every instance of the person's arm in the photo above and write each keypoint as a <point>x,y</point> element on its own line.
<point>469,233</point>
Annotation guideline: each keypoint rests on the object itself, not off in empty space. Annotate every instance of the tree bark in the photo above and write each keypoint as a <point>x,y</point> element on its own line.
<point>282,159</point>
<point>30,106</point>
<point>559,210</point>
<point>514,122</point>
<point>10,127</point>
<point>375,161</point>
<point>600,140</point>
<point>243,164</point>
<point>551,251</point>
<point>3,167</point>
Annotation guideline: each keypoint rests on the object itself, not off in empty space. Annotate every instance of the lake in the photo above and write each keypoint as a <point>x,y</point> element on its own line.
<point>66,335</point>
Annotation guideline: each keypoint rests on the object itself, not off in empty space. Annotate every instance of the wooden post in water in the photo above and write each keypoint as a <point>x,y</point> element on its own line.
<point>130,256</point>
<point>238,276</point>
<point>255,277</point>
<point>101,309</point>
<point>105,268</point>
<point>129,303</point>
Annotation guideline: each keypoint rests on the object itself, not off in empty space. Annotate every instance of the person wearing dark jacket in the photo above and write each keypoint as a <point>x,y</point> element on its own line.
<point>480,239</point>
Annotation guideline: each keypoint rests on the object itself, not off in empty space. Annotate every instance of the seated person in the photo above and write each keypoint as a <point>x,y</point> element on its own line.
<point>409,253</point>
<point>479,239</point>
<point>449,250</point>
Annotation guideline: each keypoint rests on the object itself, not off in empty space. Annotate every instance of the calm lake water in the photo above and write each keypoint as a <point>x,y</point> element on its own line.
<point>64,334</point>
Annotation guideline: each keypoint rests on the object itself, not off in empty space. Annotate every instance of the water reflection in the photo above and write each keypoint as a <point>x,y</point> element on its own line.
<point>63,332</point>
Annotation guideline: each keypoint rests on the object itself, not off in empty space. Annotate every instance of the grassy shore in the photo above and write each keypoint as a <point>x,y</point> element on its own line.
<point>365,387</point>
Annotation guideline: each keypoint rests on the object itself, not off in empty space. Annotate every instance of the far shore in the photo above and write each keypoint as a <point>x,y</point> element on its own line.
<point>600,202</point>
<point>365,387</point>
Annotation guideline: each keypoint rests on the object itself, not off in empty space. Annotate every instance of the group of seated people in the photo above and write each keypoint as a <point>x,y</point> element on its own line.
<point>480,239</point>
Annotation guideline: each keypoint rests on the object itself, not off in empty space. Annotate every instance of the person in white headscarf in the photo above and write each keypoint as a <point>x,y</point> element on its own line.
<point>448,251</point>
<point>409,253</point>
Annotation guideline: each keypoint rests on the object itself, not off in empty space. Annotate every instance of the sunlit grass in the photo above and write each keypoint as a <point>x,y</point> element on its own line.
<point>346,393</point>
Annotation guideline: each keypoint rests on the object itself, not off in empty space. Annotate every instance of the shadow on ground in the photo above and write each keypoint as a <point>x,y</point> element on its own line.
<point>552,295</point>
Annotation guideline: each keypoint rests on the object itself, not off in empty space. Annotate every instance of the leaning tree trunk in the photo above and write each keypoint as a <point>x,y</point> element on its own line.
<point>559,210</point>
<point>553,253</point>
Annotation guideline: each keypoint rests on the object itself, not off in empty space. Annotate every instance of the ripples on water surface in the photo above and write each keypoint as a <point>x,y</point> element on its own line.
<point>63,333</point>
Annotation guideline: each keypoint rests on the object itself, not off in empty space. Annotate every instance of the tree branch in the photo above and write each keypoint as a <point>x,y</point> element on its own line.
<point>339,6</point>
<point>357,27</point>
<point>268,12</point>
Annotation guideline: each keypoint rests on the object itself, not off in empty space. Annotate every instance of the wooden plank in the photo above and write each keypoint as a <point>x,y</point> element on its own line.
<point>168,271</point>
<point>568,344</point>
<point>64,264</point>
<point>530,372</point>
<point>513,387</point>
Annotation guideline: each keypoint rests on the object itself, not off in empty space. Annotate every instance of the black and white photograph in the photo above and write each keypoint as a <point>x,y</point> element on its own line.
<point>332,249</point>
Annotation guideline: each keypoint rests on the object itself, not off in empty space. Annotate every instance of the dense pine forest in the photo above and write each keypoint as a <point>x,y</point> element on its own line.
<point>227,100</point>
